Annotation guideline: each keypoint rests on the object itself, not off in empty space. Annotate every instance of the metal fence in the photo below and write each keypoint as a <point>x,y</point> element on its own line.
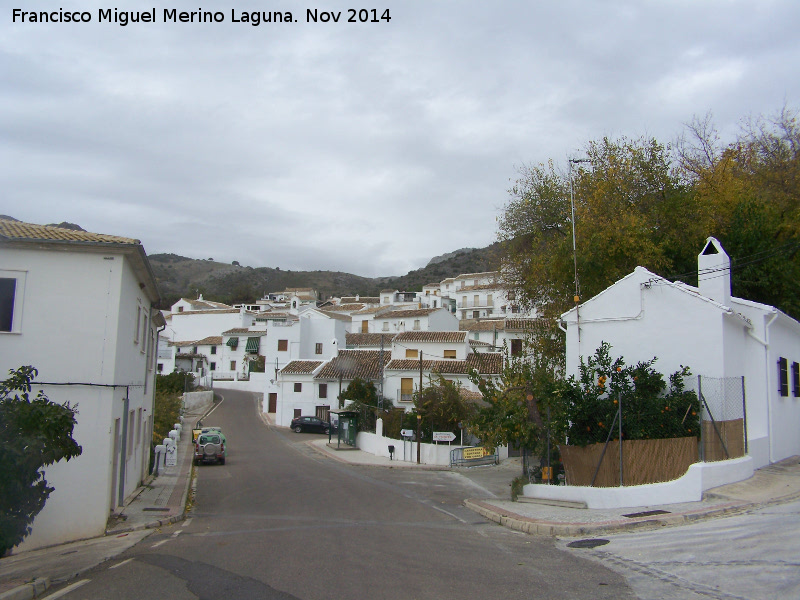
<point>723,431</point>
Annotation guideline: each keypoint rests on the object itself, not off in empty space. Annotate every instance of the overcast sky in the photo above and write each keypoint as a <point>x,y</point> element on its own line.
<point>360,147</point>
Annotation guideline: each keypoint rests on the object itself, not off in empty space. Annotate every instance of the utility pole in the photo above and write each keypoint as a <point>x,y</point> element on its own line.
<point>577,297</point>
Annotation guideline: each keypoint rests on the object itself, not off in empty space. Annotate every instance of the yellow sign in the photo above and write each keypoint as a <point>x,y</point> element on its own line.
<point>470,453</point>
<point>547,473</point>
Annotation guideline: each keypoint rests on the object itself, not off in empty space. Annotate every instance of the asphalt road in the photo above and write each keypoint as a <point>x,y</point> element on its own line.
<point>281,521</point>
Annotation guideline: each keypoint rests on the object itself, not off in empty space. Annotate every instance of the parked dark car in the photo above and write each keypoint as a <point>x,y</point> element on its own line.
<point>309,425</point>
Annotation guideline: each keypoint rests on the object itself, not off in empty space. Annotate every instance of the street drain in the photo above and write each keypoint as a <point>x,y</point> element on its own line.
<point>587,543</point>
<point>649,513</point>
<point>157,509</point>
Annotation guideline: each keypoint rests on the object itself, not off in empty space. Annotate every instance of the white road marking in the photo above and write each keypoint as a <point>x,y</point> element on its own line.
<point>68,589</point>
<point>157,544</point>
<point>124,562</point>
<point>186,522</point>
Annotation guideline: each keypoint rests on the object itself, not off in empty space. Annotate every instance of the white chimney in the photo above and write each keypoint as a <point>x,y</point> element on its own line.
<point>714,272</point>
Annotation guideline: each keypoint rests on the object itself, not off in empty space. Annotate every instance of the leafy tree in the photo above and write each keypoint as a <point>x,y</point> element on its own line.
<point>624,216</point>
<point>168,402</point>
<point>650,410</point>
<point>363,397</point>
<point>35,433</point>
<point>442,406</point>
<point>521,406</point>
<point>639,203</point>
<point>751,192</point>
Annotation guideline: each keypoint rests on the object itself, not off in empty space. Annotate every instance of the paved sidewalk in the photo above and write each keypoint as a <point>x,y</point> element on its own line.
<point>159,502</point>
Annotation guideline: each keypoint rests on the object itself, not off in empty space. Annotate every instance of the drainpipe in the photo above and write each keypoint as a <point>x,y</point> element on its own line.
<point>123,447</point>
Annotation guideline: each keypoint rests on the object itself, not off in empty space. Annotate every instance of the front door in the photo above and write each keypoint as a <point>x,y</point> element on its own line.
<point>273,402</point>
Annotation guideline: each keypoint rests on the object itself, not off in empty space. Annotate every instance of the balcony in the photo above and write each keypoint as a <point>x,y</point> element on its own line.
<point>404,396</point>
<point>473,304</point>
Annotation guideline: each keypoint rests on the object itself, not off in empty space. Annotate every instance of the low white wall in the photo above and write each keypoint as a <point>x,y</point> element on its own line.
<point>197,401</point>
<point>430,454</point>
<point>689,488</point>
<point>257,383</point>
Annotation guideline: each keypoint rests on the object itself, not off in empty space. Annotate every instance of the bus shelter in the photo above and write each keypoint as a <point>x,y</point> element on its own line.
<point>347,428</point>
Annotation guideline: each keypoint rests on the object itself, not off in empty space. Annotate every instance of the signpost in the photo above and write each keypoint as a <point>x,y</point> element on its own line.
<point>443,436</point>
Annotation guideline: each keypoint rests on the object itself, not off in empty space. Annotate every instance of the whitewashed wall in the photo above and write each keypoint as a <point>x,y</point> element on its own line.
<point>78,325</point>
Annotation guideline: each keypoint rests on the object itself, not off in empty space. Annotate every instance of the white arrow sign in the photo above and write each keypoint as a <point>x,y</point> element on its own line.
<point>443,436</point>
<point>407,432</point>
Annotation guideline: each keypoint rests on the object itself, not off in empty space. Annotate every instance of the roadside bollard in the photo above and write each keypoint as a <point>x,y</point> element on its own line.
<point>172,451</point>
<point>160,452</point>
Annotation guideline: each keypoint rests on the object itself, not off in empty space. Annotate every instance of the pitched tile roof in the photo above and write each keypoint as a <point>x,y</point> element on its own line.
<point>432,336</point>
<point>344,307</point>
<point>405,314</point>
<point>213,340</point>
<point>369,339</point>
<point>483,286</point>
<point>17,230</point>
<point>375,309</point>
<point>486,364</point>
<point>350,364</point>
<point>482,325</point>
<point>335,315</point>
<point>216,311</point>
<point>301,367</point>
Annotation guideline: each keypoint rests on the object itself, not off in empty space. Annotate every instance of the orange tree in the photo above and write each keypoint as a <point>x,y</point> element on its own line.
<point>650,408</point>
<point>35,433</point>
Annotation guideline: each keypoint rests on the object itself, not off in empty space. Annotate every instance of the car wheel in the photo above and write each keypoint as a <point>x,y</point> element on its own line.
<point>326,431</point>
<point>298,429</point>
<point>222,461</point>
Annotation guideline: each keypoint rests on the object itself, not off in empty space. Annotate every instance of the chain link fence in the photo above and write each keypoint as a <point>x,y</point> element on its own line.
<point>723,432</point>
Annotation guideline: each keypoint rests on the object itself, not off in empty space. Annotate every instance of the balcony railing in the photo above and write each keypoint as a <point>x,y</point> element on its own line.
<point>405,397</point>
<point>473,304</point>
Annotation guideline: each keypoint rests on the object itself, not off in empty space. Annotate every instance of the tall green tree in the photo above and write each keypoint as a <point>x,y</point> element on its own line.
<point>442,406</point>
<point>640,202</point>
<point>35,433</point>
<point>624,198</point>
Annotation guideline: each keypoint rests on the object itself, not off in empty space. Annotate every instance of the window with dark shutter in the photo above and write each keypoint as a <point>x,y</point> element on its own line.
<point>783,376</point>
<point>796,379</point>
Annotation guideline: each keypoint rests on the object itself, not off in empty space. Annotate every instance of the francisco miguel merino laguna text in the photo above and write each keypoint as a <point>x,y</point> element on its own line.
<point>172,15</point>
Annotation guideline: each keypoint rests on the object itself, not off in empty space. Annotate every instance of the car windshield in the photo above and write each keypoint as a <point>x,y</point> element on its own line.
<point>209,439</point>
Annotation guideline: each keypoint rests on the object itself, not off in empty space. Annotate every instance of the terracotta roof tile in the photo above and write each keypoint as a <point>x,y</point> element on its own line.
<point>486,364</point>
<point>370,339</point>
<point>351,364</point>
<point>17,230</point>
<point>405,314</point>
<point>301,367</point>
<point>432,336</point>
<point>214,340</point>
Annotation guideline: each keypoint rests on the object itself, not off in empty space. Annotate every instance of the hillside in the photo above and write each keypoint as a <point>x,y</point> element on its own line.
<point>178,276</point>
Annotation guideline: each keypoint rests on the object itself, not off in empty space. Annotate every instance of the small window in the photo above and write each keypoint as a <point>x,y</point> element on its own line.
<point>180,309</point>
<point>138,321</point>
<point>212,366</point>
<point>783,376</point>
<point>386,325</point>
<point>160,367</point>
<point>144,333</point>
<point>233,365</point>
<point>318,348</point>
<point>796,379</point>
<point>449,353</point>
<point>213,349</point>
<point>297,412</point>
<point>516,347</point>
<point>416,324</point>
<point>283,345</point>
<point>298,387</point>
<point>323,390</point>
<point>412,353</point>
<point>8,289</point>
<point>194,349</point>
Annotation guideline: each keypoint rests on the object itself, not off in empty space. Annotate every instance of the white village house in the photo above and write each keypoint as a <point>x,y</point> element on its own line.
<point>715,334</point>
<point>79,308</point>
